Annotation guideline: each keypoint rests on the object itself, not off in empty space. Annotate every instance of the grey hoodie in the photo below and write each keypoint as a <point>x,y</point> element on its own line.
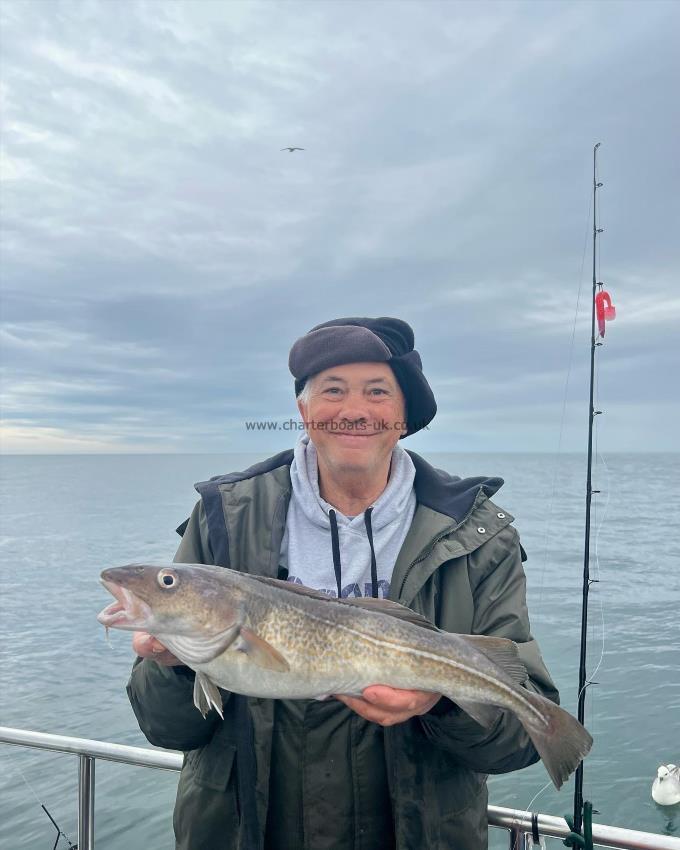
<point>307,546</point>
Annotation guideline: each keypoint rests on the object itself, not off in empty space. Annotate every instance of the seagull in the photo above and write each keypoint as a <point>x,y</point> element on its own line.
<point>292,149</point>
<point>666,787</point>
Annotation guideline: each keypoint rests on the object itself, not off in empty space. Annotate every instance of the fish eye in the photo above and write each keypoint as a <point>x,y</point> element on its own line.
<point>166,578</point>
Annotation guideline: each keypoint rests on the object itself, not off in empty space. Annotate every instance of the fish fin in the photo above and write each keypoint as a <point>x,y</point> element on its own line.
<point>393,609</point>
<point>482,713</point>
<point>260,652</point>
<point>562,742</point>
<point>292,587</point>
<point>207,695</point>
<point>502,652</point>
<point>193,650</point>
<point>382,606</point>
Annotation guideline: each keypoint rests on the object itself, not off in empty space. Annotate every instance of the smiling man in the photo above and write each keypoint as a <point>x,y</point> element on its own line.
<point>351,513</point>
<point>356,415</point>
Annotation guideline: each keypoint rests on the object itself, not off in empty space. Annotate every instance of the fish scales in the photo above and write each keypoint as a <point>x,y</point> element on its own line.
<point>313,635</point>
<point>268,638</point>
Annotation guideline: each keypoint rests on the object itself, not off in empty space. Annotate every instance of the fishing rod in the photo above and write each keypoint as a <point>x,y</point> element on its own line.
<point>602,310</point>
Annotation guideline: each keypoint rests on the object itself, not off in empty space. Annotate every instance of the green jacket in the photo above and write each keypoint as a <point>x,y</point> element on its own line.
<point>461,567</point>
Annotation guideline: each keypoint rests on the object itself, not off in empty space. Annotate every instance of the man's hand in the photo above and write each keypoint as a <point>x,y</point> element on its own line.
<point>147,646</point>
<point>387,706</point>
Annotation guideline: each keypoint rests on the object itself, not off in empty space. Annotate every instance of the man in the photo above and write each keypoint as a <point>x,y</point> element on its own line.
<point>351,513</point>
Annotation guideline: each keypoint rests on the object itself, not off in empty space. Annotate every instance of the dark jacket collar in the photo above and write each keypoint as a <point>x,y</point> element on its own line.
<point>449,494</point>
<point>436,489</point>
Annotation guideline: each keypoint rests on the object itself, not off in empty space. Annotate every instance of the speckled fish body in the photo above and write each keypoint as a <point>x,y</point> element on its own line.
<point>268,638</point>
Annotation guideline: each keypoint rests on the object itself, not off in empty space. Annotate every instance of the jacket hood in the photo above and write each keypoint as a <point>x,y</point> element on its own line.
<point>387,508</point>
<point>449,494</point>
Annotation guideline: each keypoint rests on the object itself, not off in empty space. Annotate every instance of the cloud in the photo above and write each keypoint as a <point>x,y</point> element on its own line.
<point>160,254</point>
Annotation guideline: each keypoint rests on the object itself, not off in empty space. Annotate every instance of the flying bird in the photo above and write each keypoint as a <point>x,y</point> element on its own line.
<point>292,149</point>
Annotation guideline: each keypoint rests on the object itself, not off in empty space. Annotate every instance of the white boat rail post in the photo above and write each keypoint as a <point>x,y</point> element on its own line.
<point>515,836</point>
<point>86,802</point>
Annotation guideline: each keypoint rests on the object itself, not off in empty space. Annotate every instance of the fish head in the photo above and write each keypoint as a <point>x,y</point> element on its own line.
<point>180,599</point>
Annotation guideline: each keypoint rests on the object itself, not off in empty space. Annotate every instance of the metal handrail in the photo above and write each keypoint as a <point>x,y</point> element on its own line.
<point>555,827</point>
<point>140,756</point>
<point>516,821</point>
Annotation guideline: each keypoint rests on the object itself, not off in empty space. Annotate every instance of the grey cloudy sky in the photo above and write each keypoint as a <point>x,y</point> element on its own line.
<point>160,254</point>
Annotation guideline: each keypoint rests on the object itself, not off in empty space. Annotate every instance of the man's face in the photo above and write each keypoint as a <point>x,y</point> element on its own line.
<point>355,415</point>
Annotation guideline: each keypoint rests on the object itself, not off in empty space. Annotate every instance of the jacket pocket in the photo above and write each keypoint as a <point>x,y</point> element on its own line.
<point>207,815</point>
<point>212,765</point>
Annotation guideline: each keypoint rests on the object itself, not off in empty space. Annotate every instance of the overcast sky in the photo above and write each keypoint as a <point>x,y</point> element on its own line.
<point>160,253</point>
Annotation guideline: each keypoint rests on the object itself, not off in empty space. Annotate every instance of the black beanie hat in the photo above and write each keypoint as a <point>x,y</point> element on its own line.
<point>360,340</point>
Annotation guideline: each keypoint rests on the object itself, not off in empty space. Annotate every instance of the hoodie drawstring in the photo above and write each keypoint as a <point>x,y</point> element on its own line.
<point>374,566</point>
<point>335,543</point>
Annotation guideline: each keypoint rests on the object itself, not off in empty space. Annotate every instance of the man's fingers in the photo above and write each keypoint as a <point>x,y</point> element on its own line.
<point>390,697</point>
<point>386,715</point>
<point>355,703</point>
<point>373,713</point>
<point>388,706</point>
<point>146,646</point>
<point>416,702</point>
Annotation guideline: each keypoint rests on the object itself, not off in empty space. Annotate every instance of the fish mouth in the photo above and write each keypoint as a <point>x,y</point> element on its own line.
<point>127,612</point>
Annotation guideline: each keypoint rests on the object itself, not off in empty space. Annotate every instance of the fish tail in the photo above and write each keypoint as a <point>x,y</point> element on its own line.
<point>562,742</point>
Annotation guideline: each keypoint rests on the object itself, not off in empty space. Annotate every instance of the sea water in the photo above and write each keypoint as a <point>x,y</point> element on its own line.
<point>65,518</point>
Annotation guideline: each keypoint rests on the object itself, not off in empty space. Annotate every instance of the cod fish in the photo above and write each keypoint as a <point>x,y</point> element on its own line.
<point>268,638</point>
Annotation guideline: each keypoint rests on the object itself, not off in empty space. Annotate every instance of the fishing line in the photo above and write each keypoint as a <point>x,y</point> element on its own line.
<point>564,405</point>
<point>598,528</point>
<point>529,807</point>
<point>600,523</point>
<point>545,787</point>
<point>561,434</point>
<point>60,833</point>
<point>597,560</point>
<point>28,785</point>
<point>602,311</point>
<point>590,679</point>
<point>593,208</point>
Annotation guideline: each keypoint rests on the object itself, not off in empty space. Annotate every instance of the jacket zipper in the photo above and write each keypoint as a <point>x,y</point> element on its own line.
<point>426,554</point>
<point>389,757</point>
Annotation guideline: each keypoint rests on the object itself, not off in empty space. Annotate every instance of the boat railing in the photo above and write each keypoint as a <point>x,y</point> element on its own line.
<point>518,823</point>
